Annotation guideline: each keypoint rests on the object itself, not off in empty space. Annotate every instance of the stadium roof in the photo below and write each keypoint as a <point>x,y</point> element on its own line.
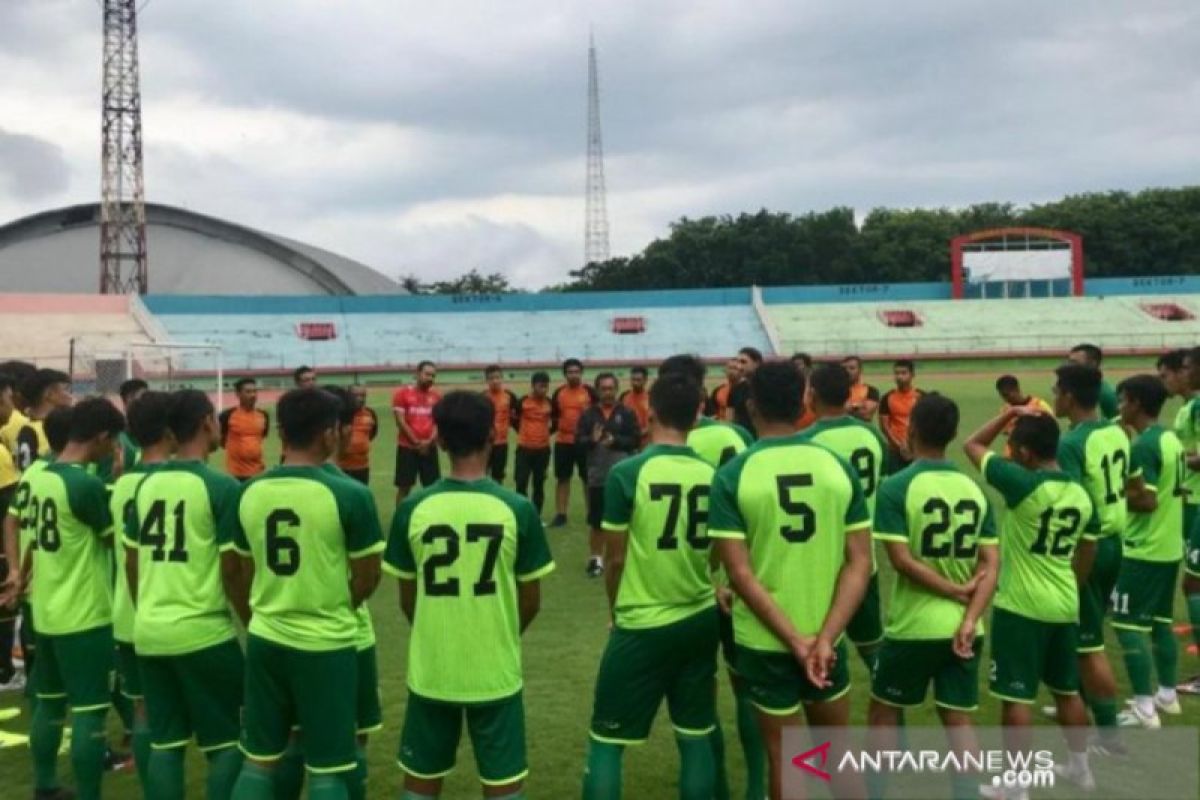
<point>189,253</point>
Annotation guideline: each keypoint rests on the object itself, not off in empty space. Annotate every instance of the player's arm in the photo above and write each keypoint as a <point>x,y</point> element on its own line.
<point>979,443</point>
<point>847,597</point>
<point>1139,496</point>
<point>529,601</point>
<point>398,411</point>
<point>364,577</point>
<point>924,576</point>
<point>223,424</point>
<point>736,558</point>
<point>883,426</point>
<point>374,425</point>
<point>987,573</point>
<point>236,575</point>
<point>131,572</point>
<point>10,587</point>
<point>616,546</point>
<point>408,598</point>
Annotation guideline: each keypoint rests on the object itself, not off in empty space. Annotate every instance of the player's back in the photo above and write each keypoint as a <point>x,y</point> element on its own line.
<point>1096,453</point>
<point>121,506</point>
<point>1187,428</point>
<point>1159,457</point>
<point>184,515</point>
<point>717,442</point>
<point>467,545</point>
<point>20,507</point>
<point>659,500</point>
<point>857,443</point>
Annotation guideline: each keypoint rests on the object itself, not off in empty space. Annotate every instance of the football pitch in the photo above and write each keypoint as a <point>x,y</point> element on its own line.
<point>563,646</point>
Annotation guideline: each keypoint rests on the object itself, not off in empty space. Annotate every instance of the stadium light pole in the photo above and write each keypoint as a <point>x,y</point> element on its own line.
<point>595,235</point>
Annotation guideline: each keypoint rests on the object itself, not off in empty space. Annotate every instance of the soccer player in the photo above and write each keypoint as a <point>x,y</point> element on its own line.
<point>793,535</point>
<point>749,359</point>
<point>354,455</point>
<point>182,575</point>
<point>72,601</point>
<point>304,377</point>
<point>504,403</point>
<point>1180,373</point>
<point>637,400</point>
<point>44,391</point>
<point>718,407</point>
<point>804,363</point>
<point>1143,601</point>
<point>146,419</point>
<point>1036,610</point>
<point>606,433</point>
<point>940,536</point>
<point>532,419</point>
<point>1095,452</point>
<point>1009,389</point>
<point>311,540</point>
<point>9,677</point>
<point>243,429</point>
<point>1090,355</point>
<point>864,398</point>
<point>470,556</point>
<point>568,403</point>
<point>416,445</point>
<point>128,453</point>
<point>895,409</point>
<point>664,638</point>
<point>864,449</point>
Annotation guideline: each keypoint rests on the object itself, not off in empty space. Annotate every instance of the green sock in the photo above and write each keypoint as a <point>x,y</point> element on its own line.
<point>602,777</point>
<point>329,787</point>
<point>45,737</point>
<point>1136,650</point>
<point>696,770</point>
<point>753,751</point>
<point>224,766</point>
<point>165,775</point>
<point>1104,711</point>
<point>1166,654</point>
<point>716,740</point>
<point>87,752</point>
<point>358,779</point>
<point>254,783</point>
<point>1193,606</point>
<point>289,772</point>
<point>141,751</point>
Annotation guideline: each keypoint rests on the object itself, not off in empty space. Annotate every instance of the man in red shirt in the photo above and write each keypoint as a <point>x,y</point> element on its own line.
<point>416,445</point>
<point>568,403</point>
<point>243,429</point>
<point>355,457</point>
<point>637,400</point>
<point>504,403</point>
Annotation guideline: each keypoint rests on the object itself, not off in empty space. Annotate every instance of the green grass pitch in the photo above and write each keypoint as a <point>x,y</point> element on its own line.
<point>562,649</point>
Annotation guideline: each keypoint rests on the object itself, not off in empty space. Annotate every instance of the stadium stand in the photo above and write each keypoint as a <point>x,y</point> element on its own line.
<point>41,327</point>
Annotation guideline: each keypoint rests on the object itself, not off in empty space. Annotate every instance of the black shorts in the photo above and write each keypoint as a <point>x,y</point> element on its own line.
<point>595,506</point>
<point>411,464</point>
<point>569,458</point>
<point>498,461</point>
<point>363,476</point>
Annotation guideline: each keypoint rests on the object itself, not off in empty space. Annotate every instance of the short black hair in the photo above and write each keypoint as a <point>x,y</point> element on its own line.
<point>855,359</point>
<point>57,426</point>
<point>686,364</point>
<point>639,370</point>
<point>242,382</point>
<point>493,369</point>
<point>1145,390</point>
<point>1007,382</point>
<point>571,362</point>
<point>1173,360</point>
<point>1090,351</point>
<point>1037,433</point>
<point>673,399</point>
<point>20,370</point>
<point>905,363</point>
<point>776,389</point>
<point>36,384</point>
<point>147,417</point>
<point>935,419</point>
<point>346,409</point>
<point>92,417</point>
<point>131,387</point>
<point>803,358</point>
<point>304,414</point>
<point>539,377</point>
<point>605,376</point>
<point>7,381</point>
<point>752,353</point>
<point>464,422</point>
<point>830,384</point>
<point>425,363</point>
<point>1082,382</point>
<point>189,409</point>
<point>298,371</point>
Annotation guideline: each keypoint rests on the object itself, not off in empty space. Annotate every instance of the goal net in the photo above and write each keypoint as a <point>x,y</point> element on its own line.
<point>166,366</point>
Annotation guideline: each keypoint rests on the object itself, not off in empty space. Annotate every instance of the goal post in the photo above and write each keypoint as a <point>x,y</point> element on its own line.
<point>178,365</point>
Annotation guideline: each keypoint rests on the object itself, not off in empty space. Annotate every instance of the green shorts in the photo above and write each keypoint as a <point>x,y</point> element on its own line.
<point>904,668</point>
<point>1145,593</point>
<point>194,694</point>
<point>1095,594</point>
<point>128,671</point>
<point>76,666</point>
<point>866,626</point>
<point>315,690</point>
<point>1191,546</point>
<point>778,685</point>
<point>1191,513</point>
<point>370,708</point>
<point>433,728</point>
<point>1027,653</point>
<point>640,668</point>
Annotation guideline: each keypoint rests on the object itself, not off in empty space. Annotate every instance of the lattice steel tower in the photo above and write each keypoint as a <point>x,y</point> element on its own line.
<point>595,233</point>
<point>123,203</point>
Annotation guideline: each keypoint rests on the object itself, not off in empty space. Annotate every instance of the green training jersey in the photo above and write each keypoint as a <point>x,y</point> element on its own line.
<point>1187,428</point>
<point>19,507</point>
<point>183,517</point>
<point>121,507</point>
<point>1159,458</point>
<point>717,442</point>
<point>1048,513</point>
<point>72,568</point>
<point>365,636</point>
<point>659,500</point>
<point>1096,453</point>
<point>944,518</point>
<point>303,526</point>
<point>1108,401</point>
<point>466,544</point>
<point>793,502</point>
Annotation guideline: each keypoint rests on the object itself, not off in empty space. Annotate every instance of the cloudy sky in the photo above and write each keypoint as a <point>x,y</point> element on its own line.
<point>432,138</point>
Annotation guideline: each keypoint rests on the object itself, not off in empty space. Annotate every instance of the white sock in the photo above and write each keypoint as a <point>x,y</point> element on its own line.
<point>1078,762</point>
<point>1145,705</point>
<point>1167,695</point>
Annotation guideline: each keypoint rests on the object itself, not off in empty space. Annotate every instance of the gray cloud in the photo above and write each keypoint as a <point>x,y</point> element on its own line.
<point>31,168</point>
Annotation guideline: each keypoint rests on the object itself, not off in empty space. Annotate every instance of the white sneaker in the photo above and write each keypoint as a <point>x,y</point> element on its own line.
<point>1173,708</point>
<point>15,684</point>
<point>1132,717</point>
<point>1050,712</point>
<point>1083,779</point>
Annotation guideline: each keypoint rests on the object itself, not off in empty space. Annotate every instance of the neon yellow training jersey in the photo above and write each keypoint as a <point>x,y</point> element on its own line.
<point>717,442</point>
<point>365,637</point>
<point>10,473</point>
<point>1159,458</point>
<point>659,500</point>
<point>466,544</point>
<point>1096,453</point>
<point>1048,513</point>
<point>183,517</point>
<point>121,507</point>
<point>19,508</point>
<point>1187,428</point>
<point>793,503</point>
<point>303,526</point>
<point>944,518</point>
<point>72,567</point>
